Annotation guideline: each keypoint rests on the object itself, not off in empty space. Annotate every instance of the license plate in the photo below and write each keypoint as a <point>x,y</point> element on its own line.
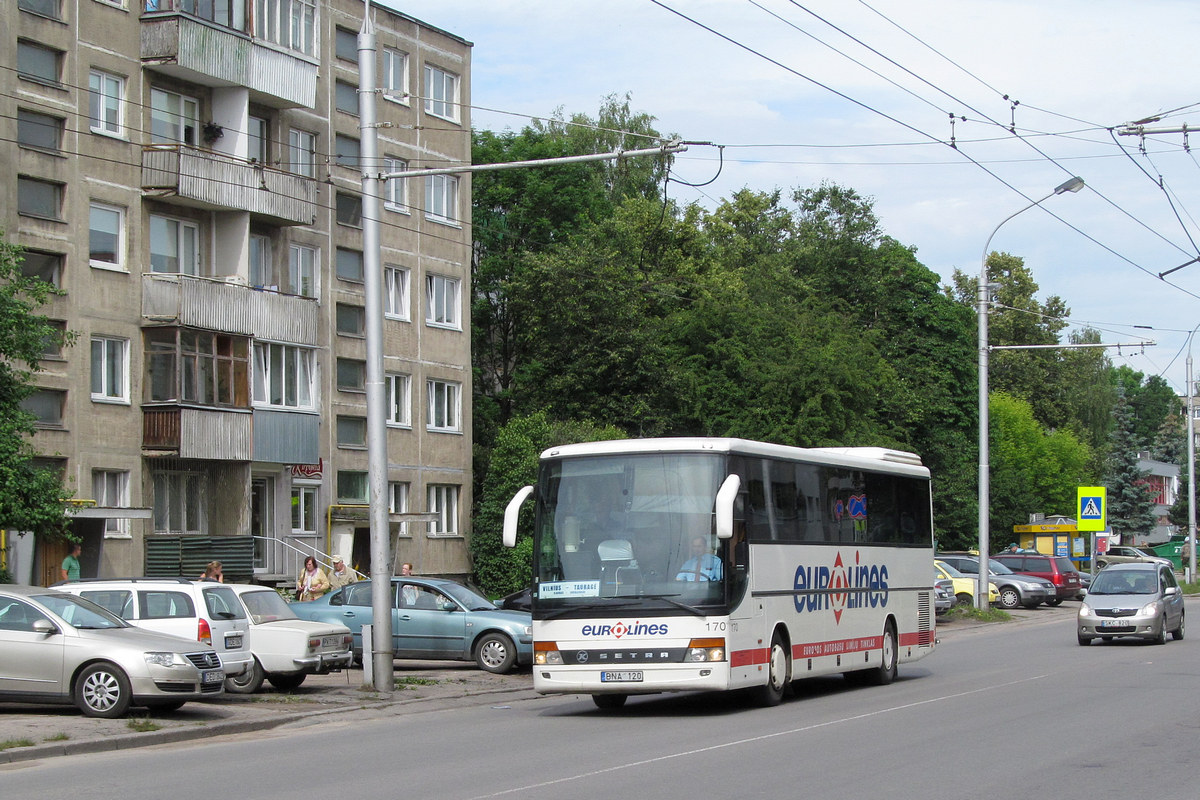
<point>1114,623</point>
<point>233,640</point>
<point>627,676</point>
<point>212,676</point>
<point>331,641</point>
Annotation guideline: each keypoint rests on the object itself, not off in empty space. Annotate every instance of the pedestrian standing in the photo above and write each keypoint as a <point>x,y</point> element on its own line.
<point>70,564</point>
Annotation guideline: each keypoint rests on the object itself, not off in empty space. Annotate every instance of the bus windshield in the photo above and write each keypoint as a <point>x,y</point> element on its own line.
<point>629,525</point>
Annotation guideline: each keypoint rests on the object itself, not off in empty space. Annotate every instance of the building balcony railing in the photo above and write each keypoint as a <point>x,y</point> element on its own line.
<point>229,306</point>
<point>200,433</point>
<point>205,42</point>
<point>218,182</point>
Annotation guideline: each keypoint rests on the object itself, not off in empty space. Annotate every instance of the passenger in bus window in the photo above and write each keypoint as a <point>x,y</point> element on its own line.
<point>702,566</point>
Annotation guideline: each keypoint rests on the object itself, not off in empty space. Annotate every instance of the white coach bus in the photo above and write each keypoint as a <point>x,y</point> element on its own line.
<point>699,564</point>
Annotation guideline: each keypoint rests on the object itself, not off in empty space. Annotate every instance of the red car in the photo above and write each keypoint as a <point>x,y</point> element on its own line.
<point>1057,569</point>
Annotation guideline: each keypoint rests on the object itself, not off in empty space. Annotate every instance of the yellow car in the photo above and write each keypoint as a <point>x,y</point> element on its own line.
<point>964,585</point>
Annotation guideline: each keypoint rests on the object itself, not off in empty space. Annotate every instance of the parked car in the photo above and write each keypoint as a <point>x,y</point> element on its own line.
<point>1120,554</point>
<point>286,649</point>
<point>1015,590</point>
<point>1057,569</point>
<point>205,611</point>
<point>964,585</point>
<point>433,618</point>
<point>943,595</point>
<point>1142,600</point>
<point>61,649</point>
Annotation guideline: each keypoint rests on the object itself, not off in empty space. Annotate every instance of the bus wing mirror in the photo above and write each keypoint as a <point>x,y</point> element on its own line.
<point>511,511</point>
<point>726,496</point>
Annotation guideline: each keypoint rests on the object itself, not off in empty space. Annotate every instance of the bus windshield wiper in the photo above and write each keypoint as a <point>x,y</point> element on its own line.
<point>666,598</point>
<point>590,607</point>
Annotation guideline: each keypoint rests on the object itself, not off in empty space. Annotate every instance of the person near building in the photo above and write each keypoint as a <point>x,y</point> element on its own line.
<point>312,582</point>
<point>70,564</point>
<point>341,574</point>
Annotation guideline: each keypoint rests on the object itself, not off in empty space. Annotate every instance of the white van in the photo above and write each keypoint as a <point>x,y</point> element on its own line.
<point>200,610</point>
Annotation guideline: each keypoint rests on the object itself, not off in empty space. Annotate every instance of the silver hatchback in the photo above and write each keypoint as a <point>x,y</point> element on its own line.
<point>1141,600</point>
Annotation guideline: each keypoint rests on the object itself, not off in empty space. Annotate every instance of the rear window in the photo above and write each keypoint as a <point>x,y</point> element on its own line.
<point>117,601</point>
<point>1065,565</point>
<point>162,604</point>
<point>222,603</point>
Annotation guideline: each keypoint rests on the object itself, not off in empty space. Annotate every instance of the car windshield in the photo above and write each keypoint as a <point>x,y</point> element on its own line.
<point>266,606</point>
<point>80,613</point>
<point>468,598</point>
<point>1124,582</point>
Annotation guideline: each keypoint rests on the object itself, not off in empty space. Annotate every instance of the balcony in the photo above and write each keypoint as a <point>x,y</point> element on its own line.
<point>286,437</point>
<point>210,53</point>
<point>228,306</point>
<point>217,182</point>
<point>201,433</point>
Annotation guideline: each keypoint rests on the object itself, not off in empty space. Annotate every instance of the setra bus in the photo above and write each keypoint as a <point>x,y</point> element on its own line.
<point>696,564</point>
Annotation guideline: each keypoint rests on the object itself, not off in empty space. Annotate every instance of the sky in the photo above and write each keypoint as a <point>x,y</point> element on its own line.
<point>861,93</point>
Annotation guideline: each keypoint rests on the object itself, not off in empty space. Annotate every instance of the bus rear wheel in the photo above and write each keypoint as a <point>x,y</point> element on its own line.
<point>885,673</point>
<point>779,674</point>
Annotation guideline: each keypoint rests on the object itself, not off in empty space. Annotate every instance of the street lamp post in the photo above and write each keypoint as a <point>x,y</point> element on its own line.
<point>981,593</point>
<point>1191,462</point>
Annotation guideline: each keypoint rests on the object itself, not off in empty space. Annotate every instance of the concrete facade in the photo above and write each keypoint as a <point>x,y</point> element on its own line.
<point>187,174</point>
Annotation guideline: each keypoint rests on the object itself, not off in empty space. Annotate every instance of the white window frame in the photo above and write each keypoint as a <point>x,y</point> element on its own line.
<point>395,76</point>
<point>288,23</point>
<point>443,301</point>
<point>284,371</point>
<point>395,190</point>
<point>442,499</point>
<point>169,485</point>
<point>258,133</point>
<point>302,149</point>
<point>443,406</point>
<point>441,93</point>
<point>106,106</point>
<point>399,410</point>
<point>396,293</point>
<point>261,265</point>
<point>398,494</point>
<point>186,234</point>
<point>119,264</point>
<point>441,199</point>
<point>184,124</point>
<point>304,509</point>
<point>302,270</point>
<point>110,489</point>
<point>110,364</point>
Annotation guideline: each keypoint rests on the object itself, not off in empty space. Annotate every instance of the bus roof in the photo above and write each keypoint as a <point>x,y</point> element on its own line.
<point>874,458</point>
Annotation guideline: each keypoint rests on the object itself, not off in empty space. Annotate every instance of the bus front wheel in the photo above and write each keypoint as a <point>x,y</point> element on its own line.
<point>779,674</point>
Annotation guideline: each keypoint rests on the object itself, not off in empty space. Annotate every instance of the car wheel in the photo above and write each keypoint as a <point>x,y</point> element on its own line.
<point>1161,636</point>
<point>1084,640</point>
<point>609,702</point>
<point>286,682</point>
<point>495,653</point>
<point>102,690</point>
<point>1009,597</point>
<point>885,673</point>
<point>248,682</point>
<point>964,599</point>
<point>1054,601</point>
<point>779,674</point>
<point>1177,634</point>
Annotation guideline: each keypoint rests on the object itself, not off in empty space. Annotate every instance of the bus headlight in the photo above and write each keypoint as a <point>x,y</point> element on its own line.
<point>546,654</point>
<point>705,650</point>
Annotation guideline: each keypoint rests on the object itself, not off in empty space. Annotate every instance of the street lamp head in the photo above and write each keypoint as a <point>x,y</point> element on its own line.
<point>1072,185</point>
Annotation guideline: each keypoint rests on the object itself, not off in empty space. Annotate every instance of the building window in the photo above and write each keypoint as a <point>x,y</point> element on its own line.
<point>351,431</point>
<point>110,369</point>
<point>289,23</point>
<point>284,376</point>
<point>174,118</point>
<point>443,405</point>
<point>351,375</point>
<point>345,45</point>
<point>262,266</point>
<point>443,501</point>
<point>398,501</point>
<point>110,489</point>
<point>193,366</point>
<point>302,149</point>
<point>52,342</point>
<point>441,93</point>
<point>39,198</point>
<point>441,198</point>
<point>42,266</point>
<point>395,190</point>
<point>38,63</point>
<point>39,131</point>
<point>106,236</point>
<point>178,502</point>
<point>442,301</point>
<point>349,209</point>
<point>345,97</point>
<point>395,292</point>
<point>347,150</point>
<point>350,264</point>
<point>302,271</point>
<point>304,510</point>
<point>399,412</point>
<point>259,134</point>
<point>174,246</point>
<point>395,75</point>
<point>46,405</point>
<point>350,320</point>
<point>351,486</point>
<point>46,8</point>
<point>105,93</point>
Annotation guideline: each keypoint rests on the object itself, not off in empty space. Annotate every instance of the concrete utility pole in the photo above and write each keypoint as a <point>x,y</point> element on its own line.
<point>377,461</point>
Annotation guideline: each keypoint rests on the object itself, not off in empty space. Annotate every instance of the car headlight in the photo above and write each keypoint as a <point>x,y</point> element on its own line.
<point>1085,610</point>
<point>165,659</point>
<point>528,630</point>
<point>1149,610</point>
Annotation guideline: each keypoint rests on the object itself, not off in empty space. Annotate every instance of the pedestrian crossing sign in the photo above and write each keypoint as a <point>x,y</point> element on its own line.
<point>1092,508</point>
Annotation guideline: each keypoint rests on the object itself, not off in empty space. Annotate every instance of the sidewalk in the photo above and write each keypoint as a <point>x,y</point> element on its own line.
<point>421,685</point>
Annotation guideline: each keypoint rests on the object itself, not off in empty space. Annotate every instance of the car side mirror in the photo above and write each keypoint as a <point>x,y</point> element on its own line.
<point>44,626</point>
<point>1171,591</point>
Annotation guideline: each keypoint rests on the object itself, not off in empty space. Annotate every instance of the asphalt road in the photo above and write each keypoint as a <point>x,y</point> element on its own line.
<point>999,711</point>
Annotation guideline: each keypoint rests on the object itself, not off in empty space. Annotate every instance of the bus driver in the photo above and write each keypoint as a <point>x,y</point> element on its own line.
<point>702,566</point>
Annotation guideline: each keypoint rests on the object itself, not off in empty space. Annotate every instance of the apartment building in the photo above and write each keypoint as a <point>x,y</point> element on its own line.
<point>188,172</point>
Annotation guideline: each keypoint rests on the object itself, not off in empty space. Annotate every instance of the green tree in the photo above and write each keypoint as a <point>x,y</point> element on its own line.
<point>32,498</point>
<point>1130,502</point>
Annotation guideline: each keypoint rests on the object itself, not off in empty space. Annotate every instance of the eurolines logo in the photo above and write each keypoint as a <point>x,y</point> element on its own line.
<point>621,629</point>
<point>812,585</point>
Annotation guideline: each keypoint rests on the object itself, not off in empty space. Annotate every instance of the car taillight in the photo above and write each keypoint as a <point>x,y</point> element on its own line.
<point>203,632</point>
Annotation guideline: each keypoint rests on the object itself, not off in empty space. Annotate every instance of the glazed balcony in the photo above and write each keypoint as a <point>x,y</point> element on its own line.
<point>229,306</point>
